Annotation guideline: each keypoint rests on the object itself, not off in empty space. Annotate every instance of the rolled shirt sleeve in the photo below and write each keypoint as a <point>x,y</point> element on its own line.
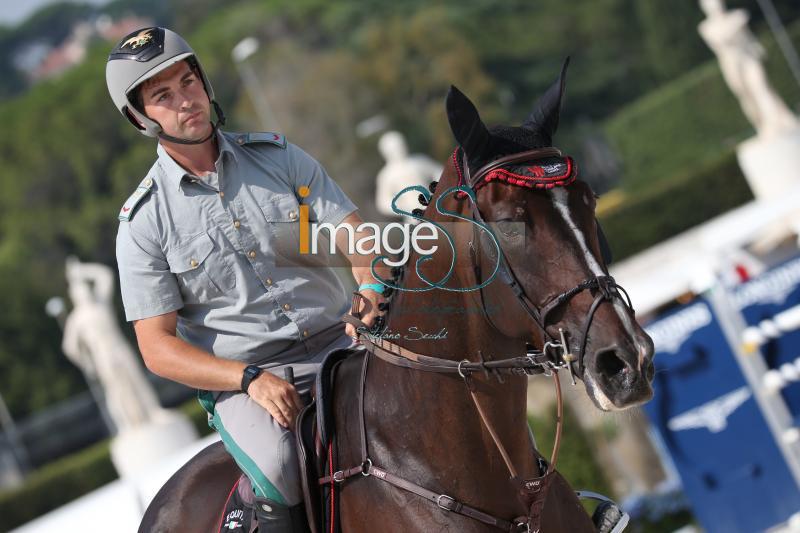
<point>147,285</point>
<point>327,201</point>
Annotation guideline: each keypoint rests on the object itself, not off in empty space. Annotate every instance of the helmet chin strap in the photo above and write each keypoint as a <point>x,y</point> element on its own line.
<point>215,127</point>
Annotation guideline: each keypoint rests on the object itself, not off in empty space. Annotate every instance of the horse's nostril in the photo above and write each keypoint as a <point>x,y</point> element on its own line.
<point>650,370</point>
<point>609,363</point>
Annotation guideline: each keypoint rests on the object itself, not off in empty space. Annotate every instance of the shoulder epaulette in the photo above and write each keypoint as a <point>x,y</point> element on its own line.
<point>272,137</point>
<point>129,207</point>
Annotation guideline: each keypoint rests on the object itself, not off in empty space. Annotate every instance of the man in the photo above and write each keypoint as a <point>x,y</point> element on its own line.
<point>204,251</point>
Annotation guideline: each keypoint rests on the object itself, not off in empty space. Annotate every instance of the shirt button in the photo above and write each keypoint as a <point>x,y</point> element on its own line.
<point>286,307</point>
<point>305,333</point>
<point>148,182</point>
<point>236,224</point>
<point>292,215</point>
<point>240,139</point>
<point>221,194</point>
<point>252,254</point>
<point>268,281</point>
<point>193,263</point>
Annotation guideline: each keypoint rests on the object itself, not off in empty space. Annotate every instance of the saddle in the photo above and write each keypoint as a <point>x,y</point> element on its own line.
<point>315,440</point>
<point>314,434</point>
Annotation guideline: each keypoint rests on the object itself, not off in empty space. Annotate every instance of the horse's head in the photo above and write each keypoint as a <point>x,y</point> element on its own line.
<point>552,247</point>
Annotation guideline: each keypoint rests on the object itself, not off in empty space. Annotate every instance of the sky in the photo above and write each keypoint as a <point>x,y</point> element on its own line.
<point>15,11</point>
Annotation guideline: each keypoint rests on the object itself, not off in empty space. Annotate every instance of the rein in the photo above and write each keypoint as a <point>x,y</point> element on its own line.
<point>532,492</point>
<point>554,355</point>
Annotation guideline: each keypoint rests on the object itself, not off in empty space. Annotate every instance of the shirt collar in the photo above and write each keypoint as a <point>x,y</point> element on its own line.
<point>225,146</point>
<point>176,172</point>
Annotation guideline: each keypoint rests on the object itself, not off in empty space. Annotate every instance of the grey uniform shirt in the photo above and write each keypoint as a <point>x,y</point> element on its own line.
<point>222,249</point>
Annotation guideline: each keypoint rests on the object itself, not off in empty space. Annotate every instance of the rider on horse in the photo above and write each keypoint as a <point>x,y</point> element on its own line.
<point>217,298</point>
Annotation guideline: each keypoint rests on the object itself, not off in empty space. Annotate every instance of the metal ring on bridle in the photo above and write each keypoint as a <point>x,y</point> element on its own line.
<point>460,371</point>
<point>365,466</point>
<point>551,344</point>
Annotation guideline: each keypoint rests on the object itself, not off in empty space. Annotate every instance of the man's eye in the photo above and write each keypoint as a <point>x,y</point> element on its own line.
<point>162,97</point>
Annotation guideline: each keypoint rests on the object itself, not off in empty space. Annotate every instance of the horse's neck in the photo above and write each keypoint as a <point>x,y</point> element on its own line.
<point>445,409</point>
<point>460,330</point>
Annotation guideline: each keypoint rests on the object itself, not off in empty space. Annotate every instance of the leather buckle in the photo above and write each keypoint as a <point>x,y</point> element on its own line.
<point>450,502</point>
<point>338,476</point>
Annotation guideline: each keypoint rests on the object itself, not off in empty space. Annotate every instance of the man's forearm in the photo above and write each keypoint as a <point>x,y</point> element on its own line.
<point>364,275</point>
<point>173,358</point>
<point>361,264</point>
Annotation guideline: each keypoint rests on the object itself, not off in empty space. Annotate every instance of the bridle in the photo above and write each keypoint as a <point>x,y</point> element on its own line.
<point>607,288</point>
<point>554,355</point>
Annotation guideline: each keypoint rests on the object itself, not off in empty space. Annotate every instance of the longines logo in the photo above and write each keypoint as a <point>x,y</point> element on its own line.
<point>670,334</point>
<point>712,415</point>
<point>773,287</point>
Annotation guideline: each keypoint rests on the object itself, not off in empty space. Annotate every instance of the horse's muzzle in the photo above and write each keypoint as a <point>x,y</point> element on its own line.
<point>625,373</point>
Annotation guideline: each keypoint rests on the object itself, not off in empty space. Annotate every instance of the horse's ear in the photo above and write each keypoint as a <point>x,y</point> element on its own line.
<point>466,124</point>
<point>546,111</point>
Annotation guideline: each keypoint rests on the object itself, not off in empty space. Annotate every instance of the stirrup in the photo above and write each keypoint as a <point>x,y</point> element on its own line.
<point>608,517</point>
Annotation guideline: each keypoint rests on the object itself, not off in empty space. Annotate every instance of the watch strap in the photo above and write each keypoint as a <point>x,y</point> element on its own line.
<point>250,373</point>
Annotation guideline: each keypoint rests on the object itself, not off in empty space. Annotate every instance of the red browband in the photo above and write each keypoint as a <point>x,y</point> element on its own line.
<point>544,173</point>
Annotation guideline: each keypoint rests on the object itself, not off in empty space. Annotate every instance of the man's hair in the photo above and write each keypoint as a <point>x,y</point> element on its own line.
<point>137,98</point>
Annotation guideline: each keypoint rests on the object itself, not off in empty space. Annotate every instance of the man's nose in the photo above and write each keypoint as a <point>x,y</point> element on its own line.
<point>186,100</point>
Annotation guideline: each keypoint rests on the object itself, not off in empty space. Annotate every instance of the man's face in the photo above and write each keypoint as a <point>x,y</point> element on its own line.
<point>177,100</point>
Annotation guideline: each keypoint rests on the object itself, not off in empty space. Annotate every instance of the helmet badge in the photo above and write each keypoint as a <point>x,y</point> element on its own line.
<point>140,39</point>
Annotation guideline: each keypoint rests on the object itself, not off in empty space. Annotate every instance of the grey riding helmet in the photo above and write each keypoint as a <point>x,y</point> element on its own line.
<point>139,56</point>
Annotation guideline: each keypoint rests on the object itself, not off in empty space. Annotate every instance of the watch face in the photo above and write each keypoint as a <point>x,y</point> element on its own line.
<point>249,374</point>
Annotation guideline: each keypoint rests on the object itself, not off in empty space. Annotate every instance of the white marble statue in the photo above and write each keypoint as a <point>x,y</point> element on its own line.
<point>94,342</point>
<point>402,170</point>
<point>740,57</point>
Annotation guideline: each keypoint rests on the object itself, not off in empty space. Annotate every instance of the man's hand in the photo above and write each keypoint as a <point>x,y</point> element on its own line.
<point>362,273</point>
<point>278,397</point>
<point>368,309</point>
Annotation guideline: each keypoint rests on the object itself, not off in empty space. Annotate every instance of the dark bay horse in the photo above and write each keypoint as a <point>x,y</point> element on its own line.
<point>535,286</point>
<point>425,426</point>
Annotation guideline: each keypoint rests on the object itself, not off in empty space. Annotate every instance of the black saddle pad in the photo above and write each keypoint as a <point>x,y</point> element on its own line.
<point>238,515</point>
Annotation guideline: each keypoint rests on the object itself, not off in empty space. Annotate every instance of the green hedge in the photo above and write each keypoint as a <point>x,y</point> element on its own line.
<point>671,207</point>
<point>68,478</point>
<point>55,484</point>
<point>689,121</point>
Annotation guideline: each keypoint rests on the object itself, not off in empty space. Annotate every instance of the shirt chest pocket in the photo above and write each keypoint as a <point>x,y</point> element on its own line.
<point>282,212</point>
<point>201,268</point>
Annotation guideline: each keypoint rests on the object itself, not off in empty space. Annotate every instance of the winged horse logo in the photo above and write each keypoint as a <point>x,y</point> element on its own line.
<point>140,39</point>
<point>712,415</point>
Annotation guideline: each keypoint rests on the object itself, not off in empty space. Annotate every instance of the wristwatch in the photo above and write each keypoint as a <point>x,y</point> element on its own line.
<point>250,373</point>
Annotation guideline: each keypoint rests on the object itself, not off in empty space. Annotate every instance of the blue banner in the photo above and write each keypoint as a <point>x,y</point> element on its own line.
<point>704,411</point>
